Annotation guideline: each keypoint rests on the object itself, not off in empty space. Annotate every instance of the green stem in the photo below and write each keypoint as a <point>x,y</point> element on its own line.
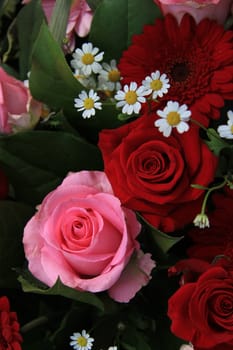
<point>198,124</point>
<point>33,324</point>
<point>217,187</point>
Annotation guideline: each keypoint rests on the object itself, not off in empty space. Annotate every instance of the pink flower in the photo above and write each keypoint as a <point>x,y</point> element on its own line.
<point>16,104</point>
<point>214,9</point>
<point>83,235</point>
<point>79,21</point>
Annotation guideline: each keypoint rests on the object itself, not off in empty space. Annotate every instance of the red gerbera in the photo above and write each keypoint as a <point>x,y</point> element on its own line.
<point>198,59</point>
<point>10,338</point>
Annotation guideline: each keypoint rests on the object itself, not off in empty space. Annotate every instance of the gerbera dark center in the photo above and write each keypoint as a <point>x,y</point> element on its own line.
<point>180,71</point>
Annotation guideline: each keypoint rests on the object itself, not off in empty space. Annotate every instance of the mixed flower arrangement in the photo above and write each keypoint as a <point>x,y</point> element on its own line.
<point>116,175</point>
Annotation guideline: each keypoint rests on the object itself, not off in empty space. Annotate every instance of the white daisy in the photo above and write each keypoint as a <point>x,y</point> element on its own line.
<point>87,103</point>
<point>109,76</point>
<point>173,116</point>
<point>87,59</point>
<point>81,341</point>
<point>226,131</point>
<point>156,84</point>
<point>130,98</point>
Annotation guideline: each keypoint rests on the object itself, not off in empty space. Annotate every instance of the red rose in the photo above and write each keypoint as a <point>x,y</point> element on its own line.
<point>10,338</point>
<point>153,174</point>
<point>202,311</point>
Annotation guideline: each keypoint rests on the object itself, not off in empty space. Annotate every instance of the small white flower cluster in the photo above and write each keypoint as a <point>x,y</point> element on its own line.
<point>86,62</point>
<point>94,76</point>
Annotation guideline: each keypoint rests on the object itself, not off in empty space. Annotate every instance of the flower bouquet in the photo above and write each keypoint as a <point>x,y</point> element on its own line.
<point>116,175</point>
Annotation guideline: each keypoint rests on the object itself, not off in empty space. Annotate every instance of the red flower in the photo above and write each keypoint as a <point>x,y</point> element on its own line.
<point>198,59</point>
<point>10,338</point>
<point>216,240</point>
<point>152,174</point>
<point>202,311</point>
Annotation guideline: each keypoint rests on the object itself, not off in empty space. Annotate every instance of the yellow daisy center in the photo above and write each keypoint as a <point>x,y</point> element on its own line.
<point>173,118</point>
<point>232,129</point>
<point>156,85</point>
<point>81,341</point>
<point>114,75</point>
<point>87,58</point>
<point>88,103</point>
<point>131,97</point>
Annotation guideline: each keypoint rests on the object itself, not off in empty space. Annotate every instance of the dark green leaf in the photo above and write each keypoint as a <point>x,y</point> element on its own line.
<point>113,33</point>
<point>134,340</point>
<point>28,22</point>
<point>60,289</point>
<point>161,239</point>
<point>13,217</point>
<point>7,7</point>
<point>51,79</point>
<point>37,161</point>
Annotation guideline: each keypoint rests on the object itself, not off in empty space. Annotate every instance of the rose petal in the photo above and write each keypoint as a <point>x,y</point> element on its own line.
<point>134,277</point>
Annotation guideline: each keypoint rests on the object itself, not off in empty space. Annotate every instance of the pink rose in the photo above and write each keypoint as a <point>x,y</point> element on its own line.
<point>214,9</point>
<point>79,21</point>
<point>16,104</point>
<point>83,235</point>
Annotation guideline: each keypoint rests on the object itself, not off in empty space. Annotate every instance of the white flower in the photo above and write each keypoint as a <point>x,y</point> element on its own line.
<point>173,116</point>
<point>226,131</point>
<point>186,347</point>
<point>88,82</point>
<point>112,348</point>
<point>87,103</point>
<point>81,341</point>
<point>109,77</point>
<point>130,98</point>
<point>156,84</point>
<point>201,221</point>
<point>87,59</point>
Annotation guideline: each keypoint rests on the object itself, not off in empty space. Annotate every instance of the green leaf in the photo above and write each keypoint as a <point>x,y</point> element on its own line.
<point>51,79</point>
<point>37,161</point>
<point>28,24</point>
<point>59,19</point>
<point>13,217</point>
<point>162,240</point>
<point>7,7</point>
<point>215,143</point>
<point>113,33</point>
<point>134,340</point>
<point>60,289</point>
